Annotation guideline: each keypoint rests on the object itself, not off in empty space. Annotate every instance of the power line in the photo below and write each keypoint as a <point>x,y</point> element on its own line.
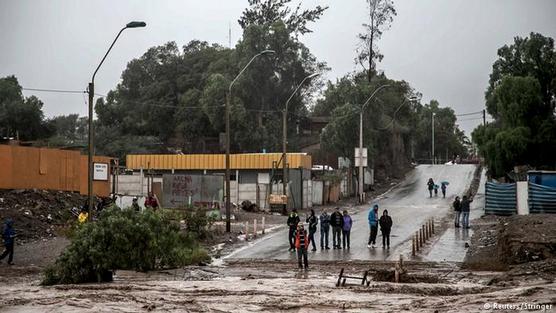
<point>472,113</point>
<point>55,90</point>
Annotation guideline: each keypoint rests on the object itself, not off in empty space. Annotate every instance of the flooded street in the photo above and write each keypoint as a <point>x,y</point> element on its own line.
<point>274,287</point>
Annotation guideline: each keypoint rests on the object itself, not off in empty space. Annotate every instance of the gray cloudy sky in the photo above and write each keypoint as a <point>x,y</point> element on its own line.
<point>444,49</point>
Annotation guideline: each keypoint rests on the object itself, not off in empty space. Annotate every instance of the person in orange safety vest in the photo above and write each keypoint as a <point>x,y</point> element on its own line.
<point>301,244</point>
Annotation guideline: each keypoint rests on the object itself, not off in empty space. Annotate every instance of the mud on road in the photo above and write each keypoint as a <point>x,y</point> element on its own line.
<point>274,286</point>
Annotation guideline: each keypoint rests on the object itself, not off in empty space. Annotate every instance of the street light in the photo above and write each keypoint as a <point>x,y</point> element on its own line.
<point>285,136</point>
<point>361,197</point>
<point>228,100</point>
<point>432,140</point>
<point>91,91</point>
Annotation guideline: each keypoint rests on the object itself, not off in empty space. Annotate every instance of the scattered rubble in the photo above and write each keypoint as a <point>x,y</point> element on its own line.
<point>37,213</point>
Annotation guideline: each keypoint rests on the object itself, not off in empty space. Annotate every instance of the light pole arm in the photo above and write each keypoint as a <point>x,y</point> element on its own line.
<point>295,91</point>
<point>372,95</point>
<point>243,69</point>
<point>102,61</point>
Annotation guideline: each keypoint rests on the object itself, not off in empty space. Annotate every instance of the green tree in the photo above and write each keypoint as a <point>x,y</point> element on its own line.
<point>21,117</point>
<point>381,14</point>
<point>520,97</point>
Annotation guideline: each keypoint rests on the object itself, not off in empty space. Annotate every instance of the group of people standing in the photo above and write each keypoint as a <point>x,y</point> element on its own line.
<point>462,208</point>
<point>341,224</point>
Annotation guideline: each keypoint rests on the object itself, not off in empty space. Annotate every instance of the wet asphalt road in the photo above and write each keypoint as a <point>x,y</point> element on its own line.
<point>408,204</point>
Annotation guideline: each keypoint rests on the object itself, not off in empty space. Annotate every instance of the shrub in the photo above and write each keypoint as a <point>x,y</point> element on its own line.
<point>124,239</point>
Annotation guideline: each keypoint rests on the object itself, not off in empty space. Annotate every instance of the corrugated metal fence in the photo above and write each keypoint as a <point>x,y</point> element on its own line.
<point>501,199</point>
<point>542,199</point>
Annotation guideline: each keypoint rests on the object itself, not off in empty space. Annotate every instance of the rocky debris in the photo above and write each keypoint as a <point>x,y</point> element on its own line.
<point>37,213</point>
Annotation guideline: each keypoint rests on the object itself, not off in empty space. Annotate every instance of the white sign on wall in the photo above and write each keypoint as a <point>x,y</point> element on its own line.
<point>100,171</point>
<point>358,159</point>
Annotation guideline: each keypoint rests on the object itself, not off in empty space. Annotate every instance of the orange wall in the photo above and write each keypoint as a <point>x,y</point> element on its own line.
<point>43,168</point>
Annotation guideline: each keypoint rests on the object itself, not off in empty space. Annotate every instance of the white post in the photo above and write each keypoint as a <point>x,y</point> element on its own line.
<point>262,226</point>
<point>361,199</point>
<point>246,230</point>
<point>433,159</point>
<point>522,190</point>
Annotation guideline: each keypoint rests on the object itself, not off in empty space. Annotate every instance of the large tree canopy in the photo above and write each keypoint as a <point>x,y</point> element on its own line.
<point>521,98</point>
<point>19,116</point>
<point>397,127</point>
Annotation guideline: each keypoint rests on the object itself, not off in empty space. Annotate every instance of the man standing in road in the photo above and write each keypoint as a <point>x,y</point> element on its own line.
<point>373,224</point>
<point>324,229</point>
<point>430,185</point>
<point>346,229</point>
<point>465,208</point>
<point>337,222</point>
<point>313,222</point>
<point>293,220</point>
<point>457,209</point>
<point>301,244</point>
<point>8,235</point>
<point>385,227</point>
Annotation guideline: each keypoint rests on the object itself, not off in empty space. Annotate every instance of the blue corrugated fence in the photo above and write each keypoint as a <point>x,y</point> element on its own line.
<point>501,199</point>
<point>542,199</point>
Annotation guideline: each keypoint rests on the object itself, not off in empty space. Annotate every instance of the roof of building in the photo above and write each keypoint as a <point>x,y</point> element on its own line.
<point>215,161</point>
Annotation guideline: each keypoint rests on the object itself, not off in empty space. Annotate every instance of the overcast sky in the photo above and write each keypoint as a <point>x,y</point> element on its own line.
<point>444,49</point>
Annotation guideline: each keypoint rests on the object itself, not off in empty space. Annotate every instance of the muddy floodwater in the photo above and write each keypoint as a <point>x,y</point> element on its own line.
<point>275,287</point>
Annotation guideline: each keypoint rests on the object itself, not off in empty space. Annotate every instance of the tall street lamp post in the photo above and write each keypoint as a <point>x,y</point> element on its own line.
<point>91,90</point>
<point>361,196</point>
<point>285,136</point>
<point>228,104</point>
<point>432,139</point>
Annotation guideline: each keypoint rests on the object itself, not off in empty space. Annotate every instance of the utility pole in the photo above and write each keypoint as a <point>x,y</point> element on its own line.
<point>361,196</point>
<point>91,91</point>
<point>285,136</point>
<point>433,161</point>
<point>484,117</point>
<point>227,117</point>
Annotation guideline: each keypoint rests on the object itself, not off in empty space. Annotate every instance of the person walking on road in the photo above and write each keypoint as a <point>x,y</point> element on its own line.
<point>301,244</point>
<point>373,224</point>
<point>324,229</point>
<point>337,222</point>
<point>457,208</point>
<point>313,222</point>
<point>465,208</point>
<point>346,229</point>
<point>293,221</point>
<point>430,185</point>
<point>435,190</point>
<point>443,187</point>
<point>9,237</point>
<point>385,223</point>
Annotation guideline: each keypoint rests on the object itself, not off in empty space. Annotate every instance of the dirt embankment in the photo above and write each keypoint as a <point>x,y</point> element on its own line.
<point>37,213</point>
<point>519,243</point>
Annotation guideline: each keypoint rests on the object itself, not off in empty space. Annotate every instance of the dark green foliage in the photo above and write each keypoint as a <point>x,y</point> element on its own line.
<point>124,239</point>
<point>396,128</point>
<point>21,117</point>
<point>520,97</point>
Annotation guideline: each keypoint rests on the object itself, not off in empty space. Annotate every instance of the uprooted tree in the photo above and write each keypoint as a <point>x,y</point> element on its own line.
<point>125,239</point>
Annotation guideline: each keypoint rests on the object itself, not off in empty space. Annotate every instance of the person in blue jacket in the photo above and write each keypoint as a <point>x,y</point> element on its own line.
<point>373,224</point>
<point>8,235</point>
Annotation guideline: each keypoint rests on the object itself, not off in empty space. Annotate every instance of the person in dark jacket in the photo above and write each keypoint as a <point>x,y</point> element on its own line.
<point>301,244</point>
<point>430,185</point>
<point>313,222</point>
<point>9,238</point>
<point>457,208</point>
<point>337,222</point>
<point>385,223</point>
<point>293,220</point>
<point>346,229</point>
<point>324,230</point>
<point>465,206</point>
